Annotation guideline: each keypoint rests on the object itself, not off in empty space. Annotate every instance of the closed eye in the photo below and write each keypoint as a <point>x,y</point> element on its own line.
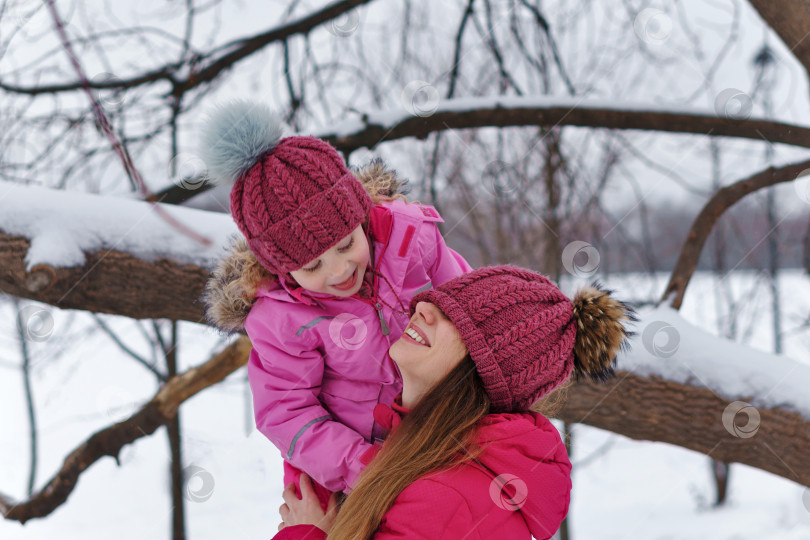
<point>347,247</point>
<point>343,249</point>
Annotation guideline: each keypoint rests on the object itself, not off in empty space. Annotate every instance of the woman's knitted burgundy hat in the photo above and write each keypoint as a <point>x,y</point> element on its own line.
<point>525,336</point>
<point>293,198</point>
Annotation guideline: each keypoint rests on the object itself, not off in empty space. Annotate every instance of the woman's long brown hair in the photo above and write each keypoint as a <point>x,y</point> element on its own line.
<point>438,433</point>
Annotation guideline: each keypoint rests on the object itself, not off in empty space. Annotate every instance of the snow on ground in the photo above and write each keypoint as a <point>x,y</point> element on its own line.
<point>622,488</point>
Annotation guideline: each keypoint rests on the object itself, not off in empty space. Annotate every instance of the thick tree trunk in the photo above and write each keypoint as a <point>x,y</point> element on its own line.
<point>790,19</point>
<point>109,282</point>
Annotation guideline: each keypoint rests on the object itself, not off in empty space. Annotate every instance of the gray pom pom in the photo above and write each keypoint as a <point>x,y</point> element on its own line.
<point>235,136</point>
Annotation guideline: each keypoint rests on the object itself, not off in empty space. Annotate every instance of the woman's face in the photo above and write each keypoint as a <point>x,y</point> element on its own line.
<point>339,271</point>
<point>429,348</point>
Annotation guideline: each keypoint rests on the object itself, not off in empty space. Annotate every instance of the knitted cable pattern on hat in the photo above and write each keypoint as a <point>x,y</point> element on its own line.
<point>292,198</point>
<point>518,328</point>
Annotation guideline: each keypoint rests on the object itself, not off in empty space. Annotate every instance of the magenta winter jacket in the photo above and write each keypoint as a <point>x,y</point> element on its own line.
<point>320,363</point>
<point>519,488</point>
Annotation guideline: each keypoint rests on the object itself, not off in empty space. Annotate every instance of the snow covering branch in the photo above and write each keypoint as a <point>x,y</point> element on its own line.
<point>509,111</point>
<point>109,281</point>
<point>106,254</point>
<point>721,201</point>
<point>109,441</point>
<point>680,385</point>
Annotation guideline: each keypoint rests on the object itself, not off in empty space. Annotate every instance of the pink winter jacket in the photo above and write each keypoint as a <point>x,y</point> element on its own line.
<point>320,363</point>
<point>519,488</point>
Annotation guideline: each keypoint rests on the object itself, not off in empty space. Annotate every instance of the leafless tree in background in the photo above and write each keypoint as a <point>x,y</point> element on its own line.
<point>515,185</point>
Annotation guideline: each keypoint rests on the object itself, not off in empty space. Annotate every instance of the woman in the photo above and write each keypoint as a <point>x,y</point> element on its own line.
<point>465,457</point>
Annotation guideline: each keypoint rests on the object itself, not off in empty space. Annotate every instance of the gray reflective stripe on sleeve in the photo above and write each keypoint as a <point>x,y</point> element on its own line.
<point>312,323</point>
<point>427,286</point>
<point>301,432</point>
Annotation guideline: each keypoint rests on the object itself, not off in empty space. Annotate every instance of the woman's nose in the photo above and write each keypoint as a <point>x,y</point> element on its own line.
<point>424,310</point>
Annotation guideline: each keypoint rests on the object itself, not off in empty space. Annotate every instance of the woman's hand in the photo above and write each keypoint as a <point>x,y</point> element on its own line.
<point>306,510</point>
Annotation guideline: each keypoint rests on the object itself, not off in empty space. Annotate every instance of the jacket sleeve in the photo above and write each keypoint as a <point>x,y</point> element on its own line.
<point>285,377</point>
<point>425,510</point>
<point>442,263</point>
<point>429,510</point>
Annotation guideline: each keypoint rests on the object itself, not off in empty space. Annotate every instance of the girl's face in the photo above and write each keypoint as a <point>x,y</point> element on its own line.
<point>338,271</point>
<point>429,348</point>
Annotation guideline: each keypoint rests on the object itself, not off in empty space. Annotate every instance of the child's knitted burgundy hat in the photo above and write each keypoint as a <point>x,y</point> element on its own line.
<point>525,336</point>
<point>292,198</point>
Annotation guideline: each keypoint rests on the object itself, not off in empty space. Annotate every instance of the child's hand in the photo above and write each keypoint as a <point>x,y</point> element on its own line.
<point>306,510</point>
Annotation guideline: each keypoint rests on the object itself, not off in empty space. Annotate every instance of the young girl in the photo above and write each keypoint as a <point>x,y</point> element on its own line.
<point>321,284</point>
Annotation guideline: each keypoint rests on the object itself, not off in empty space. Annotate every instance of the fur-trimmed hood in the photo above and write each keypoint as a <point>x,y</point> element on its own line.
<point>231,290</point>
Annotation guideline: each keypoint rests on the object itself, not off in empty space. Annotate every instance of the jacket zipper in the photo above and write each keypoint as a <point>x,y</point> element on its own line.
<point>383,324</point>
<point>375,284</point>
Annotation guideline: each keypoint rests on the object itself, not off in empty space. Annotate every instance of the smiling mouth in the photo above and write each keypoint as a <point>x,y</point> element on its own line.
<point>415,334</point>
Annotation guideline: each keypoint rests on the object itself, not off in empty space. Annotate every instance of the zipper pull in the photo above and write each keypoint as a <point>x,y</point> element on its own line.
<point>385,329</point>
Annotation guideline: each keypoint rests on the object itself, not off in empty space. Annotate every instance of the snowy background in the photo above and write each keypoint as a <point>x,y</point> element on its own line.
<point>82,382</point>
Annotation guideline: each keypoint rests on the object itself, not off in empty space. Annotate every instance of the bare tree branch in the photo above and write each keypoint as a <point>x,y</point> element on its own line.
<point>722,200</point>
<point>493,114</point>
<point>369,134</point>
<point>108,442</point>
<point>208,66</point>
<point>124,347</point>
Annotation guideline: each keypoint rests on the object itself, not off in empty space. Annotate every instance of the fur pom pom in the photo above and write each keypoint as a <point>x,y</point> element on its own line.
<point>235,136</point>
<point>601,331</point>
